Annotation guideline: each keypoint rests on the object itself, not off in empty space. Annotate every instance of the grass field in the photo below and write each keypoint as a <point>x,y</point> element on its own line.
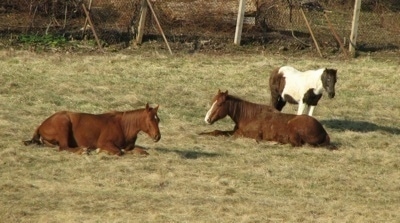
<point>192,178</point>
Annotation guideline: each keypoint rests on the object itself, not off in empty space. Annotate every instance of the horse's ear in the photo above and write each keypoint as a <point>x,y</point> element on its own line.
<point>156,108</point>
<point>226,92</point>
<point>219,91</point>
<point>147,106</point>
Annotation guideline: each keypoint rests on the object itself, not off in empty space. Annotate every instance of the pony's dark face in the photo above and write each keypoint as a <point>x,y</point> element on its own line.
<point>328,79</point>
<point>218,109</point>
<point>152,121</point>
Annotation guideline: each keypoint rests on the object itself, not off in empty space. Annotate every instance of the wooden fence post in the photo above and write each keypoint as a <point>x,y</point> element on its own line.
<point>239,22</point>
<point>354,28</point>
<point>142,22</point>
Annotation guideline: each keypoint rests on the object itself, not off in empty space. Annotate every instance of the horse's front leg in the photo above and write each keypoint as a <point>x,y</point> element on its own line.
<point>218,133</point>
<point>111,149</point>
<point>138,150</point>
<point>131,144</point>
<point>78,150</point>
<point>134,149</point>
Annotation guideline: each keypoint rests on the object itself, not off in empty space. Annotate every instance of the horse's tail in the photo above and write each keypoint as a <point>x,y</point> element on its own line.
<point>327,143</point>
<point>275,87</point>
<point>327,140</point>
<point>35,139</point>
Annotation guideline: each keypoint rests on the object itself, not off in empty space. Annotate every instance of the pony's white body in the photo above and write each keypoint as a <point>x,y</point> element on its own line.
<point>298,83</point>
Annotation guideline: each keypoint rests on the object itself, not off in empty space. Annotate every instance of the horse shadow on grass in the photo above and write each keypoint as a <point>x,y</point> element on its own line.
<point>188,154</point>
<point>358,126</point>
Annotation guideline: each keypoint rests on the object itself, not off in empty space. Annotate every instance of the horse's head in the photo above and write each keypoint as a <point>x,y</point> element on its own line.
<point>218,109</point>
<point>328,81</point>
<point>151,123</point>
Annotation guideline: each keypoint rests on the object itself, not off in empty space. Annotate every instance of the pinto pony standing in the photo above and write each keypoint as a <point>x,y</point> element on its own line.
<point>304,88</point>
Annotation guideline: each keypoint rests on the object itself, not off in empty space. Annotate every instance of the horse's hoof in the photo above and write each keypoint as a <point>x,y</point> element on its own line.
<point>84,151</point>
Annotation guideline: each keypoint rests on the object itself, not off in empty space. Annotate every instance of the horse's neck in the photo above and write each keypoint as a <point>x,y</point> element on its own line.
<point>131,123</point>
<point>243,110</point>
<point>234,111</point>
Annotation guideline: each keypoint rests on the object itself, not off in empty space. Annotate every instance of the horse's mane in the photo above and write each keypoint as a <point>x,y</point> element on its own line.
<point>130,120</point>
<point>246,109</point>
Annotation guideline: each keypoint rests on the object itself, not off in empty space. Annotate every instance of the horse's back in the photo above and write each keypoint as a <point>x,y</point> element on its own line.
<point>310,129</point>
<point>88,119</point>
<point>50,131</point>
<point>282,77</point>
<point>67,124</point>
<point>88,128</point>
<point>56,120</point>
<point>288,70</point>
<point>297,83</point>
<point>308,123</point>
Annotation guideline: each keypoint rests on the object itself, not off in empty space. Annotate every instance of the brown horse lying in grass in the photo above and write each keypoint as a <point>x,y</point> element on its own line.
<point>262,122</point>
<point>287,129</point>
<point>112,132</point>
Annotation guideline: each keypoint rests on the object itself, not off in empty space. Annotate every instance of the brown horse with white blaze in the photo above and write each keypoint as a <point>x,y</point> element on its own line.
<point>262,122</point>
<point>112,132</point>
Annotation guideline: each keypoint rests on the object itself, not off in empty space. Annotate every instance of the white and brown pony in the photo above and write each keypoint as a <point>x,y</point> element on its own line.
<point>304,88</point>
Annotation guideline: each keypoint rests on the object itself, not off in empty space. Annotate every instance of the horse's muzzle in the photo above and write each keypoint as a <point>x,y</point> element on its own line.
<point>157,138</point>
<point>331,95</point>
<point>209,121</point>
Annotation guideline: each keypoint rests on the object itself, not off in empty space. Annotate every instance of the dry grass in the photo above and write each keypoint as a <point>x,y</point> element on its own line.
<point>188,178</point>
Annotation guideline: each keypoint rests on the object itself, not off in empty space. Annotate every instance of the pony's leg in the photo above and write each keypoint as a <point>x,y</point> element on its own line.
<point>280,104</point>
<point>311,110</point>
<point>277,101</point>
<point>301,108</point>
<point>274,98</point>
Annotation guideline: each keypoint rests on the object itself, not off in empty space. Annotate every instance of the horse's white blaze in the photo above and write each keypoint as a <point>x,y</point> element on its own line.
<point>298,83</point>
<point>209,112</point>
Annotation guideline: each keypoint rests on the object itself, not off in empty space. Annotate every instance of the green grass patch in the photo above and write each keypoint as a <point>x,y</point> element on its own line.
<point>48,40</point>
